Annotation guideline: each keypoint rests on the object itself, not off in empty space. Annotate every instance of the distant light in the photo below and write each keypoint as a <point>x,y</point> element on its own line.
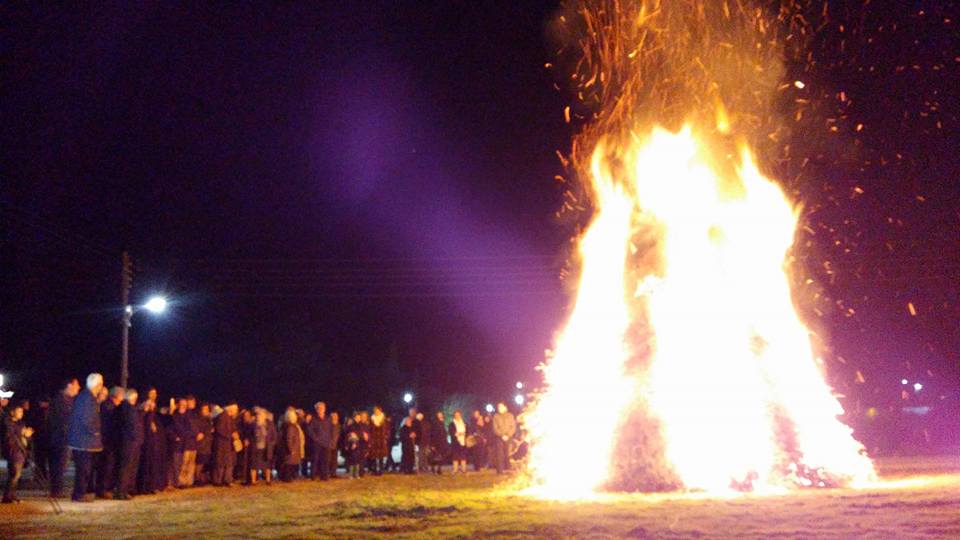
<point>518,399</point>
<point>408,397</point>
<point>489,407</point>
<point>799,84</point>
<point>1,380</point>
<point>128,310</point>
<point>519,385</point>
<point>904,381</point>
<point>917,386</point>
<point>156,304</point>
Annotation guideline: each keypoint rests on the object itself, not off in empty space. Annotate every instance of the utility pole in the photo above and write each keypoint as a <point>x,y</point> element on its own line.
<point>126,282</point>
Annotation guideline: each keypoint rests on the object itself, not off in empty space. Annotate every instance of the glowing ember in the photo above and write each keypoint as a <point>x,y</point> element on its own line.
<point>683,327</point>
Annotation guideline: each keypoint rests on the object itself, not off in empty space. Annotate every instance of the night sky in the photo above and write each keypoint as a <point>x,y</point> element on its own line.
<point>347,201</point>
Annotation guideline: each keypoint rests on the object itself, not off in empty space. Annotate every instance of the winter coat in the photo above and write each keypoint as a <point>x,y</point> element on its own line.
<point>504,424</point>
<point>58,420</point>
<point>320,432</point>
<point>14,444</point>
<point>110,424</point>
<point>203,424</point>
<point>378,439</point>
<point>293,443</point>
<point>223,429</point>
<point>272,441</point>
<point>84,430</point>
<point>131,425</point>
<point>184,428</point>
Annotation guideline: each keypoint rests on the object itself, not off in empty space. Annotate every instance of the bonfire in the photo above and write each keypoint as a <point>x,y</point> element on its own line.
<point>684,364</point>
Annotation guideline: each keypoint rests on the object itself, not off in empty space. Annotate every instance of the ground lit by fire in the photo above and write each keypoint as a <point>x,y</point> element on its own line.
<point>918,498</point>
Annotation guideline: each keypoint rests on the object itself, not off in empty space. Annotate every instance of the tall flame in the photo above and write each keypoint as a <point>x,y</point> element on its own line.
<point>683,362</point>
<point>732,380</point>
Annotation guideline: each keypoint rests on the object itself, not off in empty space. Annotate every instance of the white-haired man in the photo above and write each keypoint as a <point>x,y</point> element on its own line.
<point>83,435</point>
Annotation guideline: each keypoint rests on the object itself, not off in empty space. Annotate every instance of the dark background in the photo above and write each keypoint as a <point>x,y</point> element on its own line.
<point>348,201</point>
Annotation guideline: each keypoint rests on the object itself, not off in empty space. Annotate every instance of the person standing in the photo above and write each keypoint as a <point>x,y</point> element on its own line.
<point>335,429</point>
<point>439,447</point>
<point>353,445</point>
<point>293,442</point>
<point>203,424</point>
<point>108,466</point>
<point>187,437</point>
<point>14,449</point>
<point>424,436</point>
<point>131,441</point>
<point>478,453</point>
<point>258,446</point>
<point>245,458</point>
<point>408,441</point>
<point>224,452</point>
<point>83,435</point>
<point>458,442</point>
<point>58,419</point>
<point>150,478</point>
<point>319,432</point>
<point>379,448</point>
<point>504,427</point>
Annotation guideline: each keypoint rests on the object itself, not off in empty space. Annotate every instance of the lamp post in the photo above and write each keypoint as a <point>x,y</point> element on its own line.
<point>155,305</point>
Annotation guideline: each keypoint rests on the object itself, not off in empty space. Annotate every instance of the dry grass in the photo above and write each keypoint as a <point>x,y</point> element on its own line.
<point>480,505</point>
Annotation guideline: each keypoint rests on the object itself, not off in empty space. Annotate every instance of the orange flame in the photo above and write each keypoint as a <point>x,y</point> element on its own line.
<point>732,380</point>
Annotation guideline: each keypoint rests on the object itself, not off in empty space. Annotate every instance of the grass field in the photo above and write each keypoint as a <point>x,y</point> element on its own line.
<point>920,498</point>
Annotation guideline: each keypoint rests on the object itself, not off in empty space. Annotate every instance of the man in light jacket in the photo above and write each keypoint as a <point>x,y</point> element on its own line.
<point>504,427</point>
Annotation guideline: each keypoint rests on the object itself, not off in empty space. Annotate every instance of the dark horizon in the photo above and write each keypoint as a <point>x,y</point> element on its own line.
<point>347,203</point>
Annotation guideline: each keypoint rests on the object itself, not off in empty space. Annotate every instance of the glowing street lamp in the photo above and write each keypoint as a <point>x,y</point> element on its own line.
<point>407,398</point>
<point>518,399</point>
<point>519,385</point>
<point>155,304</point>
<point>489,407</point>
<point>917,387</point>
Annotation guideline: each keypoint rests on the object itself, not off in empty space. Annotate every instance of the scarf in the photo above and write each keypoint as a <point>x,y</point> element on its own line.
<point>461,428</point>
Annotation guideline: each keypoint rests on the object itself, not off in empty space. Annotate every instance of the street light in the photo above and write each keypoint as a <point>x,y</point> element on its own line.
<point>155,304</point>
<point>407,398</point>
<point>519,385</point>
<point>489,407</point>
<point>518,399</point>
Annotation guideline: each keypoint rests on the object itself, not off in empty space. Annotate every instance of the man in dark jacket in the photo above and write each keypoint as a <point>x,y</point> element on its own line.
<point>83,435</point>
<point>320,434</point>
<point>424,440</point>
<point>108,468</point>
<point>185,428</point>
<point>14,449</point>
<point>58,419</point>
<point>131,439</point>
<point>224,454</point>
<point>203,424</point>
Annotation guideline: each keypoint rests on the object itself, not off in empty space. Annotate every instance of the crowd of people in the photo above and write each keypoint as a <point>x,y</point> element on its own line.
<point>122,445</point>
